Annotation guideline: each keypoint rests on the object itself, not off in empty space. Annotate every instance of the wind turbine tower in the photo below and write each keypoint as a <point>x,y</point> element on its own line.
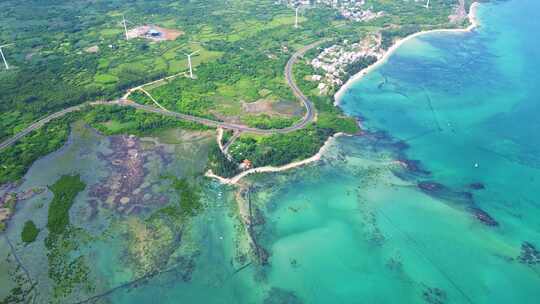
<point>296,17</point>
<point>2,53</point>
<point>189,62</point>
<point>427,4</point>
<point>125,26</point>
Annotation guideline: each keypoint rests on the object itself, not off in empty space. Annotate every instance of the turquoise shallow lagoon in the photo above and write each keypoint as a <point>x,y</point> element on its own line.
<point>454,220</point>
<point>460,111</point>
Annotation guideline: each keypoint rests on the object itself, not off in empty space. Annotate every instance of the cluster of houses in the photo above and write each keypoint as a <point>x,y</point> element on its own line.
<point>332,61</point>
<point>350,9</point>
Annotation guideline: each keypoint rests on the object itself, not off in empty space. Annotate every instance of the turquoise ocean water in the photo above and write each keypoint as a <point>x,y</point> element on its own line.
<point>438,202</point>
<point>461,110</point>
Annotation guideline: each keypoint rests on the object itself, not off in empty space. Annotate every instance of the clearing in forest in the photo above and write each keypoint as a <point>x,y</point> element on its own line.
<point>154,33</point>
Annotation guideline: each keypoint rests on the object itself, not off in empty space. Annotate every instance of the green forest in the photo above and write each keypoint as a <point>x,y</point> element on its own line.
<point>70,52</point>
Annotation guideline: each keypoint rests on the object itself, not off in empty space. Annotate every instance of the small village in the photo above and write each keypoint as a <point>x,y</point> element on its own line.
<point>332,61</point>
<point>353,10</point>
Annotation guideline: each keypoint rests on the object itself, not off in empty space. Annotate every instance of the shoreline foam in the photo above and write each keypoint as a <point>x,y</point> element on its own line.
<point>474,23</point>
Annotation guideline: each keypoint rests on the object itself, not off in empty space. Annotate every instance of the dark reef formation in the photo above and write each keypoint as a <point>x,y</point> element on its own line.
<point>440,191</point>
<point>411,170</point>
<point>413,166</point>
<point>434,295</point>
<point>281,296</point>
<point>483,216</point>
<point>124,189</point>
<point>477,186</point>
<point>529,254</point>
<point>464,198</point>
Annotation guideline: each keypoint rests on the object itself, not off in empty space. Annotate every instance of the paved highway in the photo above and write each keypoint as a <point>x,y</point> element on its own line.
<point>38,124</point>
<point>307,118</point>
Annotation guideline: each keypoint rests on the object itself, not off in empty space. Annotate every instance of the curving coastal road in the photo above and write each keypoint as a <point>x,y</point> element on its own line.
<point>309,116</point>
<point>38,124</point>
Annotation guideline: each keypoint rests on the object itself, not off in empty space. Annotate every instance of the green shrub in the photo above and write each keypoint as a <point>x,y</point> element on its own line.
<point>65,190</point>
<point>29,232</point>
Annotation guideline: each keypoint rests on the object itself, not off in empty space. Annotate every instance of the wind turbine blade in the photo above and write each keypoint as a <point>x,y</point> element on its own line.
<point>4,59</point>
<point>188,54</point>
<point>9,44</point>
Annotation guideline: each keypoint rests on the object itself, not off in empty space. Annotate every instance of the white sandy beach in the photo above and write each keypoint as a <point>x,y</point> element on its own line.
<point>473,24</point>
<point>235,179</point>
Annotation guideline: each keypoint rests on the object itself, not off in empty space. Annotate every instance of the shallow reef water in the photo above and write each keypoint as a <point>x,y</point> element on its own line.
<point>438,201</point>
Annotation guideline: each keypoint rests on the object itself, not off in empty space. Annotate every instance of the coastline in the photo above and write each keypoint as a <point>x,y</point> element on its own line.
<point>474,23</point>
<point>266,169</point>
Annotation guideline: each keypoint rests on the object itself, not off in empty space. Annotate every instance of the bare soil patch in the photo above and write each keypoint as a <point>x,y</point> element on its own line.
<point>260,106</point>
<point>273,108</point>
<point>154,33</point>
<point>92,49</point>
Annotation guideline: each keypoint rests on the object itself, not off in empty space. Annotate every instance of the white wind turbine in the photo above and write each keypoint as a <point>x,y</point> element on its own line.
<point>297,14</point>
<point>189,62</point>
<point>427,4</point>
<point>296,17</point>
<point>2,53</point>
<point>124,23</point>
